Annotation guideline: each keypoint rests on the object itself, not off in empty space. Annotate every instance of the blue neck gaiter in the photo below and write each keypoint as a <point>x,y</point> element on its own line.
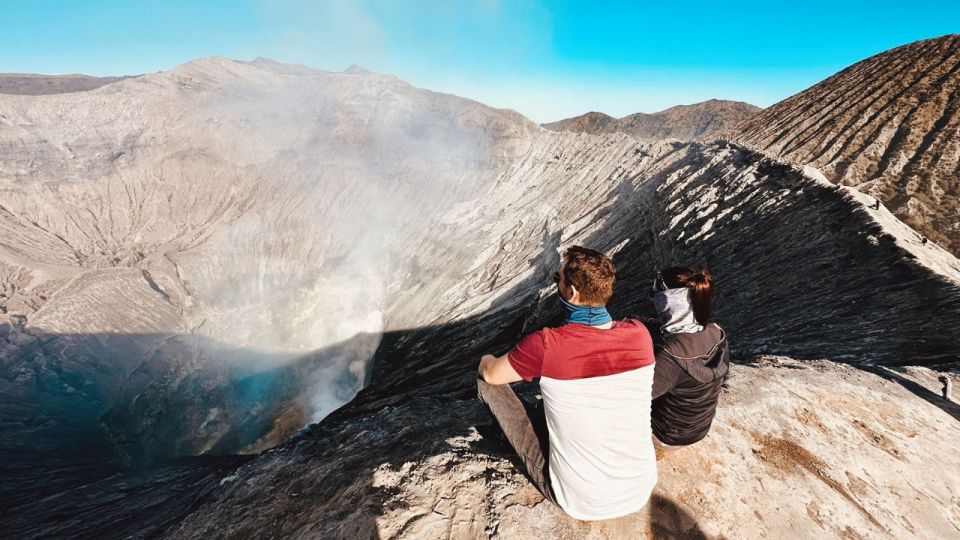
<point>590,316</point>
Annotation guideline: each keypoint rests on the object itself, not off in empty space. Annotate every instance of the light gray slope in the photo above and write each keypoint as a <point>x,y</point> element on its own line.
<point>805,268</point>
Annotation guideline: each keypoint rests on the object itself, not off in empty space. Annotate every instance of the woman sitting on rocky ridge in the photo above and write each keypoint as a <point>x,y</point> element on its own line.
<point>692,357</point>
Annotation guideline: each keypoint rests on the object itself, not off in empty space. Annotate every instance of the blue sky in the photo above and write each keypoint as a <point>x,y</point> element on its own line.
<point>546,59</point>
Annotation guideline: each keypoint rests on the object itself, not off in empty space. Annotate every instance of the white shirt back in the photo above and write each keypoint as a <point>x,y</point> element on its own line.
<point>602,461</point>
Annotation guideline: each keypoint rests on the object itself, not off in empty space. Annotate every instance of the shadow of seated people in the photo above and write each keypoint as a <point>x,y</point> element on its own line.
<point>669,519</point>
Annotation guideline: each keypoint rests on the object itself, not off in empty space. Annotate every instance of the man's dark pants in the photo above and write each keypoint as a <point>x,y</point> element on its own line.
<point>525,428</point>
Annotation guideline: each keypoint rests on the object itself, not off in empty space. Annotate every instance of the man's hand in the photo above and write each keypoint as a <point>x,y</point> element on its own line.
<point>497,370</point>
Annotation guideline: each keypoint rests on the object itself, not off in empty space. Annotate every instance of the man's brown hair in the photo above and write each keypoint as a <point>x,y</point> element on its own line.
<point>591,272</point>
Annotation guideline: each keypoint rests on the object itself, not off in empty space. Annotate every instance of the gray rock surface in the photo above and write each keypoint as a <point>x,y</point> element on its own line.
<point>207,259</point>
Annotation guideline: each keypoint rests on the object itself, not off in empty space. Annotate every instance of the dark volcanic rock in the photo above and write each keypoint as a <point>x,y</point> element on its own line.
<point>124,504</point>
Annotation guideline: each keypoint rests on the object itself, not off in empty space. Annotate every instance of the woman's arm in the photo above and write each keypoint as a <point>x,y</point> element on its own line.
<point>665,373</point>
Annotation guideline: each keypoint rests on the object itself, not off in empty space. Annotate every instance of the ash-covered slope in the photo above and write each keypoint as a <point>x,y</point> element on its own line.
<point>238,247</point>
<point>804,264</point>
<point>889,125</point>
<point>699,120</point>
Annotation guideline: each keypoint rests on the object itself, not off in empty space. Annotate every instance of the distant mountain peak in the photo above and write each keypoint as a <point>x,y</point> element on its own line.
<point>270,64</point>
<point>680,121</point>
<point>357,70</point>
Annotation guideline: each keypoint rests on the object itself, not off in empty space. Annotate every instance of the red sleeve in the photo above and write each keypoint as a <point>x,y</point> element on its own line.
<point>527,357</point>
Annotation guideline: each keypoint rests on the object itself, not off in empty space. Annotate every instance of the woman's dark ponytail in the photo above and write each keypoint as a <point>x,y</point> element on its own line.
<point>698,279</point>
<point>700,284</point>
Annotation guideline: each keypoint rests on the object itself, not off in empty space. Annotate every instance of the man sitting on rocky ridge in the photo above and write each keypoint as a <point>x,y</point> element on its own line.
<point>597,459</point>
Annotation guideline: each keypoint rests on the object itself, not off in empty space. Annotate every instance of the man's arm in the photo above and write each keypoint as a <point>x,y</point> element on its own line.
<point>497,370</point>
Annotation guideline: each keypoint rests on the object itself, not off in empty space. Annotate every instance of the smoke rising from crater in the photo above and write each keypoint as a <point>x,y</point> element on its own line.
<point>346,176</point>
<point>235,237</point>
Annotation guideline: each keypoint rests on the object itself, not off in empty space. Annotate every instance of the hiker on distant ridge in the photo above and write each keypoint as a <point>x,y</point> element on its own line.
<point>692,354</point>
<point>596,459</point>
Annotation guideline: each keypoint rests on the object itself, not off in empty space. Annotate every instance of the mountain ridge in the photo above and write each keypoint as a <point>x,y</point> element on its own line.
<point>698,120</point>
<point>35,84</point>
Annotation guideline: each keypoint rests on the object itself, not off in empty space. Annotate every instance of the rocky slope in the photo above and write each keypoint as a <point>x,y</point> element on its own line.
<point>888,125</point>
<point>238,248</point>
<point>700,120</point>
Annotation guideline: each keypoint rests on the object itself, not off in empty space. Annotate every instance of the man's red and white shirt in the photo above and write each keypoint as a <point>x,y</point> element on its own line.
<point>596,385</point>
